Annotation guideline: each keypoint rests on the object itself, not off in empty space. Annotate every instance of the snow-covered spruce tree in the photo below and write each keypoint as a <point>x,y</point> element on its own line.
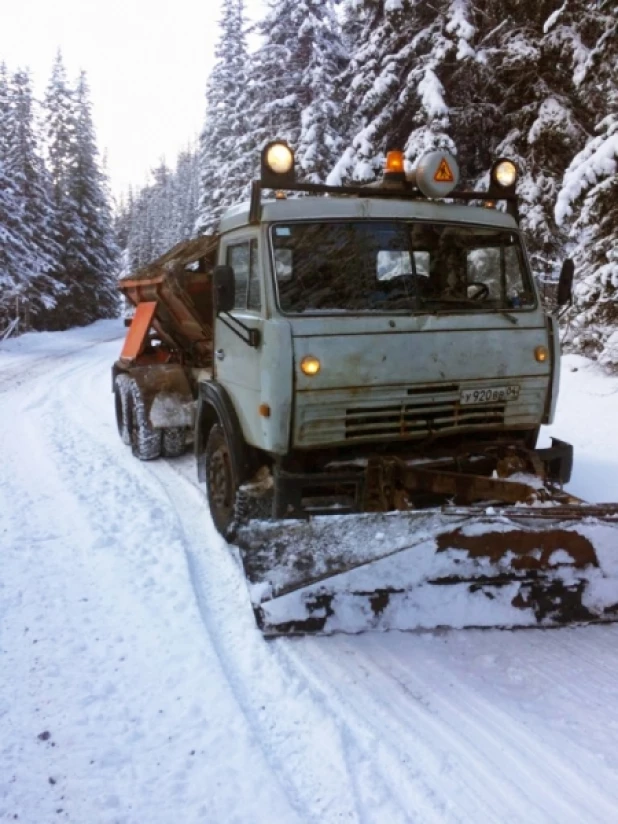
<point>482,78</point>
<point>294,91</point>
<point>140,243</point>
<point>4,110</point>
<point>540,122</point>
<point>151,220</point>
<point>161,210</point>
<point>184,195</point>
<point>32,189</point>
<point>12,250</point>
<point>94,254</point>
<point>408,56</point>
<point>83,215</point>
<point>59,138</point>
<point>122,230</point>
<point>147,234</point>
<point>224,159</point>
<point>588,200</point>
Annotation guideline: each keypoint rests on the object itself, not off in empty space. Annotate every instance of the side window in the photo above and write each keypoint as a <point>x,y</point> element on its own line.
<point>253,295</point>
<point>242,257</point>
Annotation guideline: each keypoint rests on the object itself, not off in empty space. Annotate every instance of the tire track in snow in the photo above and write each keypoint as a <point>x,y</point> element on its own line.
<point>564,793</point>
<point>360,757</point>
<point>34,367</point>
<point>351,730</point>
<point>289,739</point>
<point>302,744</point>
<point>451,727</point>
<point>365,745</point>
<point>411,771</point>
<point>418,750</point>
<point>561,690</point>
<point>82,436</point>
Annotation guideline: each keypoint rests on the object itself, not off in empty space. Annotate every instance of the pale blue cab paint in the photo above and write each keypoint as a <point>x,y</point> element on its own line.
<point>417,363</point>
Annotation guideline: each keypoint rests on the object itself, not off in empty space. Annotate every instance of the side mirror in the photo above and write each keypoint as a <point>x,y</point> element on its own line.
<point>225,293</point>
<point>565,283</point>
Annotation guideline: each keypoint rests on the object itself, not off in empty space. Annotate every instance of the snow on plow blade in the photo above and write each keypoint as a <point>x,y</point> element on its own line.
<point>455,568</point>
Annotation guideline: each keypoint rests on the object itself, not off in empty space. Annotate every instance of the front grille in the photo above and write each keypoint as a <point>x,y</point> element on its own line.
<point>414,420</point>
<point>386,413</point>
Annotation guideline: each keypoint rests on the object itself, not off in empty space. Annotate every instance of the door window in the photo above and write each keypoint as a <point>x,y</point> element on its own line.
<point>242,257</point>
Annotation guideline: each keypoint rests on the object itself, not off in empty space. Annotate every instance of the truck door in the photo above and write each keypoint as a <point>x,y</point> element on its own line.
<point>237,364</point>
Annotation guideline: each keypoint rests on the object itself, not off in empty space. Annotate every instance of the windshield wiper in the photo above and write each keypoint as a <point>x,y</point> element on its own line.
<point>508,316</point>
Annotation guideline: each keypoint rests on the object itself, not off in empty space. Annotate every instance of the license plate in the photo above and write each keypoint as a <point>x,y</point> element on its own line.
<point>492,394</point>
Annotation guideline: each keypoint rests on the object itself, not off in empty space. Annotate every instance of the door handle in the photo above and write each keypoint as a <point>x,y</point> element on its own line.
<point>220,354</point>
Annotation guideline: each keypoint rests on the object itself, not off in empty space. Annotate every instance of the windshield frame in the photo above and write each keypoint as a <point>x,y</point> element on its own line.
<point>470,310</point>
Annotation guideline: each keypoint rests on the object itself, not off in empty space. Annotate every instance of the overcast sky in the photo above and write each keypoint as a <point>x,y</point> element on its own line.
<point>147,63</point>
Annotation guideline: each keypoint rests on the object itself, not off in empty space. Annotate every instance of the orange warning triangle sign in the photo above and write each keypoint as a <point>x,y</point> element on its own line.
<point>444,173</point>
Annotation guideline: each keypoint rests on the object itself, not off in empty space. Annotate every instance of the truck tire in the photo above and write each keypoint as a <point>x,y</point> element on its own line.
<point>173,442</point>
<point>121,406</point>
<point>221,482</point>
<point>249,508</point>
<point>146,441</point>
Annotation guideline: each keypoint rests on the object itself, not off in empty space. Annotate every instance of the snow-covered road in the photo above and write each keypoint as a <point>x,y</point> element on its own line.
<point>135,688</point>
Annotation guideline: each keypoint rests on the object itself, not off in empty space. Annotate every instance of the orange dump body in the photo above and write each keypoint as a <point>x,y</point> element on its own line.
<point>173,296</point>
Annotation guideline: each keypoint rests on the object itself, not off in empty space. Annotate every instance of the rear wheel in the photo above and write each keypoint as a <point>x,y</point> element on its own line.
<point>146,441</point>
<point>173,442</point>
<point>221,482</point>
<point>121,404</point>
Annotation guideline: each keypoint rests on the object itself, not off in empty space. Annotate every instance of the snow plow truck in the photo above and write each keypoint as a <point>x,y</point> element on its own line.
<point>363,372</point>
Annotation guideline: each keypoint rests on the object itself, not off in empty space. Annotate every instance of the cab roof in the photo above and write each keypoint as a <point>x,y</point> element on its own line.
<point>363,208</point>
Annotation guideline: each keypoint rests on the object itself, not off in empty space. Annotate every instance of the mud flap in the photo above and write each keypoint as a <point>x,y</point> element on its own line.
<point>522,566</point>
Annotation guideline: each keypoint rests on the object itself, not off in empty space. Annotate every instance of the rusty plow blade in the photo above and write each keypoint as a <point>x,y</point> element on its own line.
<point>447,568</point>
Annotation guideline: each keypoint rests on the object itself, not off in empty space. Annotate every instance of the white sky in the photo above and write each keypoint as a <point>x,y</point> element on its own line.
<point>147,63</point>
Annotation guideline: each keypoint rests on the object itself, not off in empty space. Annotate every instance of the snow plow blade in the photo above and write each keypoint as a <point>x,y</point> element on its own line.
<point>441,568</point>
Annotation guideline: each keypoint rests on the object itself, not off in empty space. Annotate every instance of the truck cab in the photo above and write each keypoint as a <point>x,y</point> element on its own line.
<point>362,324</point>
<point>322,346</point>
<point>381,321</point>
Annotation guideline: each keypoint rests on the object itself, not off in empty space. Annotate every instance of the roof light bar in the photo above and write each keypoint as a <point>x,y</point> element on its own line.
<point>504,174</point>
<point>278,165</point>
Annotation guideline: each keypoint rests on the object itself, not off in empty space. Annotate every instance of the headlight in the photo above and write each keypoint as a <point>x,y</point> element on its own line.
<point>279,158</point>
<point>541,354</point>
<point>310,366</point>
<point>504,174</point>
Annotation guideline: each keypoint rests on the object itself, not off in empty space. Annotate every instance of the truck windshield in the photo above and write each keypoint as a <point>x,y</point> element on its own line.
<point>378,266</point>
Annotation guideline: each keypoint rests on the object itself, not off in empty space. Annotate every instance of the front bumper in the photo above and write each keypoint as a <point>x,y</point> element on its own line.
<point>380,486</point>
<point>557,460</point>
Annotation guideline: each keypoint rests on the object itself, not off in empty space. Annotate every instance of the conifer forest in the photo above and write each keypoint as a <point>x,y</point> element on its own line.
<point>343,82</point>
<point>58,250</point>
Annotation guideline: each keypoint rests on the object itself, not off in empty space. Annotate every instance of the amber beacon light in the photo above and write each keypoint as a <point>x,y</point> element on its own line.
<point>394,162</point>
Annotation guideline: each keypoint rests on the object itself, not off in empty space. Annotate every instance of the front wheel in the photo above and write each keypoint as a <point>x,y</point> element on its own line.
<point>221,482</point>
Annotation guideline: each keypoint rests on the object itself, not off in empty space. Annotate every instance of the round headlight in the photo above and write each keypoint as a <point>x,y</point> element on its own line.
<point>541,354</point>
<point>279,158</point>
<point>504,173</point>
<point>310,365</point>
